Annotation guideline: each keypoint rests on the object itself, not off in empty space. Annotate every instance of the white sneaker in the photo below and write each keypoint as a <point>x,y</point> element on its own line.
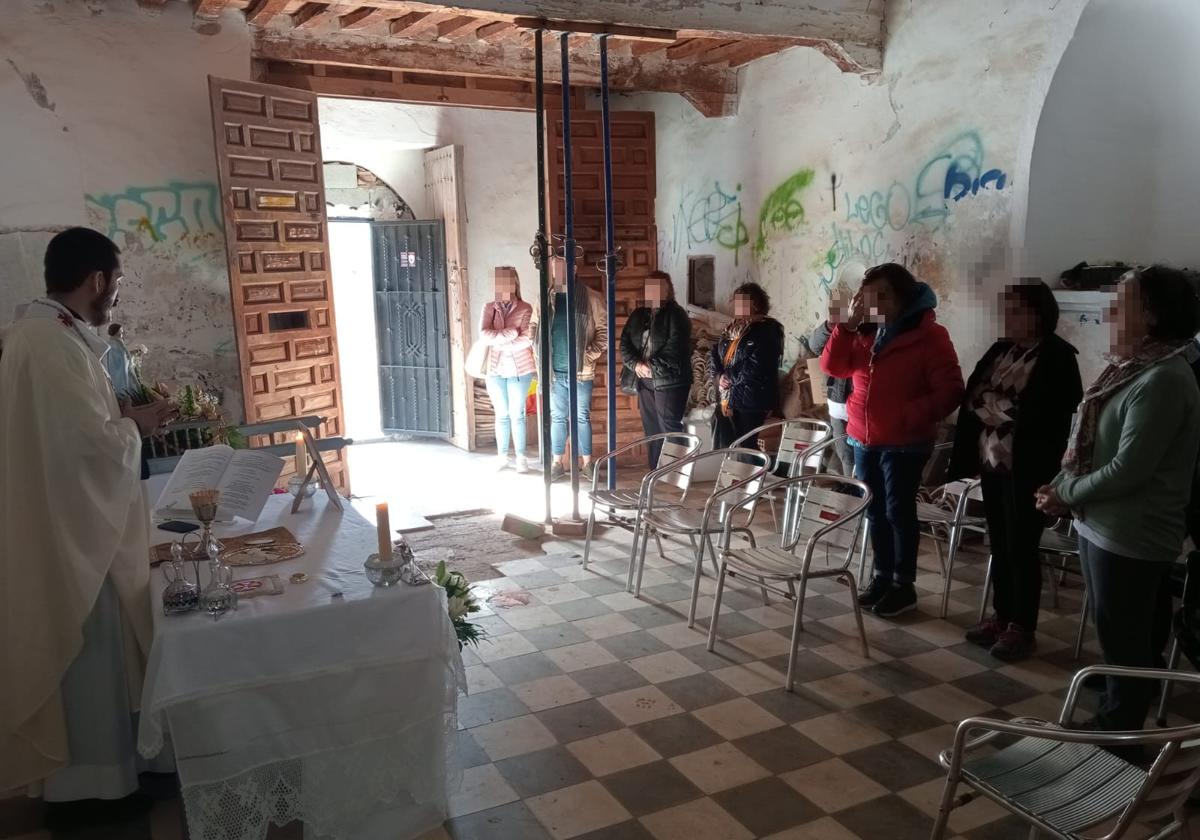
<point>522,465</point>
<point>502,463</point>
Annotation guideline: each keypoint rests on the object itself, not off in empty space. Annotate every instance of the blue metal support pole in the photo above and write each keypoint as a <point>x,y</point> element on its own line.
<point>569,258</point>
<point>541,248</point>
<point>610,265</point>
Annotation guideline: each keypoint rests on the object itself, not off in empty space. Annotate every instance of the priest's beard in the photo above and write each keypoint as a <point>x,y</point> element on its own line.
<point>100,309</point>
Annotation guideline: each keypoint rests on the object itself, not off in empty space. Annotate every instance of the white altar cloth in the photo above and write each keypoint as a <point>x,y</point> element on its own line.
<point>335,711</point>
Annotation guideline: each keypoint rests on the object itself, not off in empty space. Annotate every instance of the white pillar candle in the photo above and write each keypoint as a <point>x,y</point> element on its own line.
<point>385,531</point>
<point>301,455</point>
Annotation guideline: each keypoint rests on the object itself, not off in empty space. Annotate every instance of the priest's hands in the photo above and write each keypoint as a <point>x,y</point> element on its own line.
<point>151,417</point>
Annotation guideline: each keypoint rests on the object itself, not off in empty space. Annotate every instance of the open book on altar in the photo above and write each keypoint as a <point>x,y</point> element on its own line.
<point>245,477</point>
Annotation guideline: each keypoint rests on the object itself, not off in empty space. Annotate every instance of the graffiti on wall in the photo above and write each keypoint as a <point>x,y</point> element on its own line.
<point>782,211</point>
<point>712,216</point>
<point>162,212</point>
<point>876,219</point>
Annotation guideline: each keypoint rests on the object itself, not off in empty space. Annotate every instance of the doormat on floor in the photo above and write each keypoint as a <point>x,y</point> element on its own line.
<point>470,542</point>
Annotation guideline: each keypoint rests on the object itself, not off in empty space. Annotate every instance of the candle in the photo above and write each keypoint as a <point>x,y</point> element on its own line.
<point>301,455</point>
<point>385,531</point>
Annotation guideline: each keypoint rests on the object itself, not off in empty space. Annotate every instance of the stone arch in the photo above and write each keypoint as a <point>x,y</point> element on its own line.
<point>355,192</point>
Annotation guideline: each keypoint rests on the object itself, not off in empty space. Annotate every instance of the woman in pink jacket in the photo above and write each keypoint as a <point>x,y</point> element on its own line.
<point>504,328</point>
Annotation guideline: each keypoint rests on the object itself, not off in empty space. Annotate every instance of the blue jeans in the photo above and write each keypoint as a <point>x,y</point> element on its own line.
<point>894,478</point>
<point>560,409</point>
<point>508,394</point>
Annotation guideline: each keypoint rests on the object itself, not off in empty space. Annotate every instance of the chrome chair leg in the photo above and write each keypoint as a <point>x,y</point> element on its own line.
<point>712,625</point>
<point>1167,685</point>
<point>858,619</point>
<point>661,552</point>
<point>641,565</point>
<point>948,568</point>
<point>587,541</point>
<point>1083,618</point>
<point>987,585</point>
<point>696,574</point>
<point>797,627</point>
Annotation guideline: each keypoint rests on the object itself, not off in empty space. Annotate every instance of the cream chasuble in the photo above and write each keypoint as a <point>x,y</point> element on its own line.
<point>71,514</point>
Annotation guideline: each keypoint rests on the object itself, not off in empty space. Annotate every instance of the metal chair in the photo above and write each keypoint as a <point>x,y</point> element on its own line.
<point>623,506</point>
<point>740,475</point>
<point>1062,549</point>
<point>826,516</point>
<point>1063,782</point>
<point>1189,595</point>
<point>796,439</point>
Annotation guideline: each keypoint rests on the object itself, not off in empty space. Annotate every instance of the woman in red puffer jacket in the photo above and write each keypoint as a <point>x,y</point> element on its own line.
<point>906,379</point>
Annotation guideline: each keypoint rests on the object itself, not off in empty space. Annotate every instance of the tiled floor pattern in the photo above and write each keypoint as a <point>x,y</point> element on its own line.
<point>596,715</point>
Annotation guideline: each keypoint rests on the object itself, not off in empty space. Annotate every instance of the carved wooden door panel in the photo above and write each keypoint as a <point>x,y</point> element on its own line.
<point>269,159</point>
<point>634,190</point>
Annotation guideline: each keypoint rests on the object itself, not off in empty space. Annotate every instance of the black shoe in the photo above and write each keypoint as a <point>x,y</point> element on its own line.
<point>873,594</point>
<point>899,599</point>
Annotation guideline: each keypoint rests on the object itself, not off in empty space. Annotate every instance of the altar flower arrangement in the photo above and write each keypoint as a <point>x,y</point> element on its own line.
<point>460,603</point>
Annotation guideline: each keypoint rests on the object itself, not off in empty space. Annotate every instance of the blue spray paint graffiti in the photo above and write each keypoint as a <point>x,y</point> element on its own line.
<point>874,218</point>
<point>714,216</point>
<point>163,212</point>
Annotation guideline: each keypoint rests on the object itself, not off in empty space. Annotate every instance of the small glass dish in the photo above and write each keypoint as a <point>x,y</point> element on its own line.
<point>295,483</point>
<point>383,572</point>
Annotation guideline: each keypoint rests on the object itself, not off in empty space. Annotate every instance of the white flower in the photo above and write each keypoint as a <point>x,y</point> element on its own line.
<point>457,607</point>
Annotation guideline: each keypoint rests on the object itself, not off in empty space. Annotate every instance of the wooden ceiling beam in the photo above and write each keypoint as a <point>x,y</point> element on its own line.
<point>402,24</point>
<point>420,94</point>
<point>494,30</point>
<point>429,26</point>
<point>735,50</point>
<point>261,12</point>
<point>482,59</point>
<point>633,33</point>
<point>690,47</point>
<point>314,15</point>
<point>455,26</point>
<point>363,16</point>
<point>639,48</point>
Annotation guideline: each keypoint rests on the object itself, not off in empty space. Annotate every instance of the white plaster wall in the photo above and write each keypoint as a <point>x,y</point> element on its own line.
<point>962,82</point>
<point>106,122</point>
<point>499,173</point>
<point>1115,170</point>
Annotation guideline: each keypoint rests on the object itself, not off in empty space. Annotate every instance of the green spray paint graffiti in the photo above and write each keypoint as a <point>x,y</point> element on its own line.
<point>712,217</point>
<point>782,210</point>
<point>162,212</point>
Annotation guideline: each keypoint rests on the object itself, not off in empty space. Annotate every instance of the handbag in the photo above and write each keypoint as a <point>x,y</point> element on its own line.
<point>477,358</point>
<point>629,377</point>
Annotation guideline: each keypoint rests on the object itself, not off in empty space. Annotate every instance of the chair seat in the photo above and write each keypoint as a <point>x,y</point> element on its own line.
<point>929,513</point>
<point>625,500</point>
<point>1057,543</point>
<point>773,563</point>
<point>677,519</point>
<point>1071,787</point>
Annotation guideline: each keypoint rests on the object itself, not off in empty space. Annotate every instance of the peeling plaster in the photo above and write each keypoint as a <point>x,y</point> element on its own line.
<point>34,86</point>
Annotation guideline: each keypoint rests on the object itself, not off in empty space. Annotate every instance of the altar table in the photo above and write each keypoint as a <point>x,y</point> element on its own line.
<point>332,703</point>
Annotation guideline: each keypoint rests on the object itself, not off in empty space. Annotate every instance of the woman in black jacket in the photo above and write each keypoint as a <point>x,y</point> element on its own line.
<point>657,344</point>
<point>1012,430</point>
<point>745,365</point>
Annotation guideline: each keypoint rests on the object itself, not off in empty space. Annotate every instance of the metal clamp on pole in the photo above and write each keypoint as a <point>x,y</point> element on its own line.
<point>569,254</point>
<point>541,258</point>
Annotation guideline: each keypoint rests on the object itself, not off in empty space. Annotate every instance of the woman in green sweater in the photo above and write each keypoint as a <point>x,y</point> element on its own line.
<point>1127,476</point>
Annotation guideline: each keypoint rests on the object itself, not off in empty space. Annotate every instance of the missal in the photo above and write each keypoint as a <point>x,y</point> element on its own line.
<point>245,477</point>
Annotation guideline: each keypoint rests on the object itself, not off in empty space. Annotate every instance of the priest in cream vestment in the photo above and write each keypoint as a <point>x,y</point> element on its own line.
<point>74,577</point>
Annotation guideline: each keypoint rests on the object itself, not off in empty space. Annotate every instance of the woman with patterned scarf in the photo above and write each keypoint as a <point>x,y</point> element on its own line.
<point>1127,477</point>
<point>1011,432</point>
<point>745,367</point>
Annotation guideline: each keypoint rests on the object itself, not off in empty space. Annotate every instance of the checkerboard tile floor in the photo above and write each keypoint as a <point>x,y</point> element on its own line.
<point>596,715</point>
